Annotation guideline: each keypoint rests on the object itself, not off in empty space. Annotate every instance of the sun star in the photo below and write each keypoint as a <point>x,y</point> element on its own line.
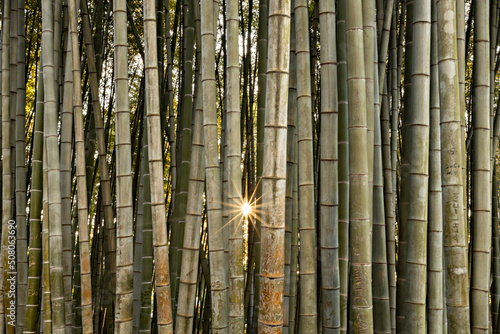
<point>246,209</point>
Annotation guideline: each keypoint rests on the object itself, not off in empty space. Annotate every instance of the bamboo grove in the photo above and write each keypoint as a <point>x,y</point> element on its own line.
<point>270,166</point>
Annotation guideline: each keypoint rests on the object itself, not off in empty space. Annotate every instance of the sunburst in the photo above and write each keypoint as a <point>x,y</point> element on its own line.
<point>243,209</point>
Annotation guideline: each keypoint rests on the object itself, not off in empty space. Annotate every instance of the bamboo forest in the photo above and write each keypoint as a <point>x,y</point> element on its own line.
<point>250,166</point>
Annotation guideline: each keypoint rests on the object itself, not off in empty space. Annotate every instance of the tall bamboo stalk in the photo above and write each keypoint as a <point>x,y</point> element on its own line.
<point>46,285</point>
<point>160,236</point>
<point>53,172</point>
<point>218,263</point>
<point>359,195</point>
<point>455,248</point>
<point>328,198</point>
<point>190,254</point>
<point>343,138</point>
<point>380,281</point>
<point>435,215</point>
<point>291,219</point>
<point>35,245</point>
<point>481,181</point>
<point>7,203</point>
<point>147,250</point>
<point>22,237</point>
<point>124,212</point>
<point>66,174</point>
<point>416,258</point>
<point>391,223</point>
<point>234,191</point>
<point>404,195</point>
<point>105,185</point>
<point>183,142</point>
<point>83,233</point>
<point>262,36</point>
<point>307,256</point>
<point>274,172</point>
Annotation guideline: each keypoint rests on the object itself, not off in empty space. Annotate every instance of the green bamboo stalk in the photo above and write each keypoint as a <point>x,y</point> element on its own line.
<point>291,222</point>
<point>495,291</point>
<point>455,248</point>
<point>404,197</point>
<point>184,146</point>
<point>294,261</point>
<point>380,280</point>
<point>379,6</point>
<point>10,265</point>
<point>234,191</point>
<point>391,185</point>
<point>274,172</point>
<point>66,144</point>
<point>190,255</point>
<point>218,262</point>
<point>21,230</point>
<point>416,258</point>
<point>77,300</point>
<point>158,214</point>
<point>359,183</point>
<point>435,215</point>
<point>388,193</point>
<point>308,314</point>
<point>7,204</point>
<point>369,47</point>
<point>138,249</point>
<point>481,178</point>
<point>53,173</point>
<point>384,41</point>
<point>124,212</point>
<point>101,141</point>
<point>47,305</point>
<point>147,251</point>
<point>59,31</point>
<point>290,164</point>
<point>493,34</point>
<point>35,245</point>
<point>460,21</point>
<point>83,233</point>
<point>262,35</point>
<point>329,198</point>
<point>343,142</point>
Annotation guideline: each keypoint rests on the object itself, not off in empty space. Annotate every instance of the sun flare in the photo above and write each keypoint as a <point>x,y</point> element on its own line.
<point>246,209</point>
